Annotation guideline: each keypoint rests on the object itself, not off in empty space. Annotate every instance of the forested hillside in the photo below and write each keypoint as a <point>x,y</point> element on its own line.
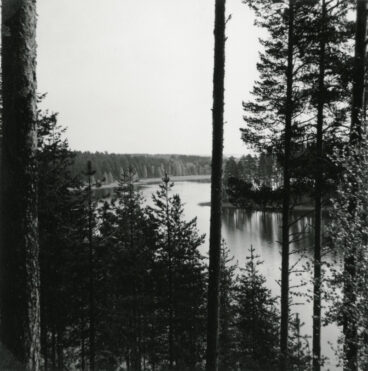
<point>110,165</point>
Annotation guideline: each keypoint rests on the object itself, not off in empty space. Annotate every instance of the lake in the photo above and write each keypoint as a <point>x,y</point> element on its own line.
<point>262,230</point>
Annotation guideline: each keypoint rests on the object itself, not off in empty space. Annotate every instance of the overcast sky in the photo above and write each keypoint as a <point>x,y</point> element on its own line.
<point>135,76</point>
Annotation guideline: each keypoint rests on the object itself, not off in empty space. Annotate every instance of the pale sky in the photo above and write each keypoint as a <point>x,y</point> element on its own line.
<point>135,76</point>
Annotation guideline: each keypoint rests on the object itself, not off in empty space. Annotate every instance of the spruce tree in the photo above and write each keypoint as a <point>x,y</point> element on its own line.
<point>228,332</point>
<point>257,319</point>
<point>180,280</point>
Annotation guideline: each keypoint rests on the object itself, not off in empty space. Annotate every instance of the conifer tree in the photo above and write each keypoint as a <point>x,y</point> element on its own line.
<point>181,280</point>
<point>20,298</point>
<point>257,319</point>
<point>216,188</point>
<point>134,250</point>
<point>228,332</point>
<point>356,140</point>
<point>59,213</point>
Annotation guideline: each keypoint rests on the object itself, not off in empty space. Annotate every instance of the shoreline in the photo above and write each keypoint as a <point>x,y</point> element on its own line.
<point>148,181</point>
<point>229,205</point>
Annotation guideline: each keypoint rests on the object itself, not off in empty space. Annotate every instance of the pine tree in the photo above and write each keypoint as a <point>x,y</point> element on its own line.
<point>133,251</point>
<point>20,298</point>
<point>216,188</point>
<point>180,280</point>
<point>257,319</point>
<point>228,333</point>
<point>356,140</point>
<point>59,211</point>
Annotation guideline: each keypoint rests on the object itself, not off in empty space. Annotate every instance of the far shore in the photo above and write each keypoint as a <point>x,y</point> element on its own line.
<point>146,181</point>
<point>229,205</point>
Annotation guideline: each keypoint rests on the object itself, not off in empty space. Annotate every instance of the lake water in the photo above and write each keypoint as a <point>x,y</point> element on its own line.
<point>241,229</point>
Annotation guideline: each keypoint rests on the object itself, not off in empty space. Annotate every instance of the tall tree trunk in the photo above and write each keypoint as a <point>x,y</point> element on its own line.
<point>318,198</point>
<point>20,277</point>
<point>216,188</point>
<point>286,196</point>
<point>91,290</point>
<point>357,129</point>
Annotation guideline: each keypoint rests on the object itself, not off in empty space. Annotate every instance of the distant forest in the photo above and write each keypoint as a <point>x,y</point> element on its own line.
<point>255,169</point>
<point>111,165</point>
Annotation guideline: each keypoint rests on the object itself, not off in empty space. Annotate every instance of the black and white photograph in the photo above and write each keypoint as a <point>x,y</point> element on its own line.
<point>184,185</point>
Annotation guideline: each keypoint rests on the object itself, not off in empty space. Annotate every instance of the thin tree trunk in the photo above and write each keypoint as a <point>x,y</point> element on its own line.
<point>357,129</point>
<point>91,273</point>
<point>53,346</point>
<point>60,349</point>
<point>357,125</point>
<point>216,188</point>
<point>20,277</point>
<point>286,197</point>
<point>166,179</point>
<point>83,351</point>
<point>318,200</point>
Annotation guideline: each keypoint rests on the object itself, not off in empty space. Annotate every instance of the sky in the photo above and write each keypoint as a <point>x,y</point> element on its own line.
<point>135,76</point>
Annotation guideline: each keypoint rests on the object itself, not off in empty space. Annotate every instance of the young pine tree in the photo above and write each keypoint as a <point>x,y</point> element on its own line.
<point>257,319</point>
<point>180,281</point>
<point>228,333</point>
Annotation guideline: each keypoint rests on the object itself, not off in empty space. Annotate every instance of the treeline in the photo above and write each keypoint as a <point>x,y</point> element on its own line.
<point>124,285</point>
<point>257,170</point>
<point>110,165</point>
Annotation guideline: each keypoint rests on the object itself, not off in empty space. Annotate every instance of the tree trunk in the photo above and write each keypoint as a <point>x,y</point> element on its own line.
<point>286,197</point>
<point>91,290</point>
<point>216,188</point>
<point>357,129</point>
<point>318,200</point>
<point>357,124</point>
<point>20,280</point>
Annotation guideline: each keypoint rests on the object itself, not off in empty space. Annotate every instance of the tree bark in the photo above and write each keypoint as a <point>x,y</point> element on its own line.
<point>216,188</point>
<point>20,281</point>
<point>286,196</point>
<point>350,328</point>
<point>318,199</point>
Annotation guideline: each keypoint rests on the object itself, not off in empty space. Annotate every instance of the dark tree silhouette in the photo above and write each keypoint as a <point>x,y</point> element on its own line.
<point>318,198</point>
<point>357,129</point>
<point>20,303</point>
<point>286,197</point>
<point>91,289</point>
<point>216,188</point>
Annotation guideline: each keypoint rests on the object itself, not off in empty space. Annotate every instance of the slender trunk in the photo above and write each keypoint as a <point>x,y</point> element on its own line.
<point>357,129</point>
<point>357,125</point>
<point>53,349</point>
<point>318,200</point>
<point>91,273</point>
<point>44,330</point>
<point>60,349</point>
<point>286,197</point>
<point>19,265</point>
<point>83,351</point>
<point>171,309</point>
<point>216,188</point>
